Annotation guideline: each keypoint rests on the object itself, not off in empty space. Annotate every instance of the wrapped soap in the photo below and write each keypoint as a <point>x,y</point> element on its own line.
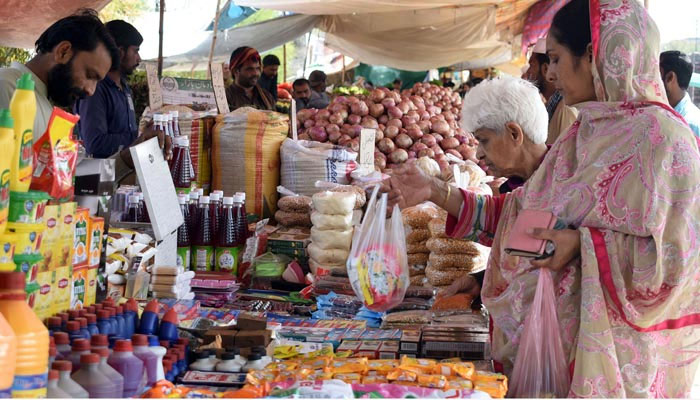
<point>334,202</point>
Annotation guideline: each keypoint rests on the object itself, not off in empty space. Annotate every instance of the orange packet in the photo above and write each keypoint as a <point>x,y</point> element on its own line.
<point>259,377</point>
<point>462,369</point>
<point>402,375</point>
<point>282,366</point>
<point>495,389</point>
<point>382,367</point>
<point>374,379</point>
<point>460,383</point>
<point>349,378</point>
<point>433,381</point>
<point>484,376</point>
<point>320,375</point>
<point>417,365</point>
<point>317,363</point>
<point>349,365</point>
<point>246,392</point>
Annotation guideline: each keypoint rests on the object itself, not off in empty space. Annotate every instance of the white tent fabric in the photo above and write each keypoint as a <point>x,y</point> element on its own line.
<point>23,21</point>
<point>335,7</point>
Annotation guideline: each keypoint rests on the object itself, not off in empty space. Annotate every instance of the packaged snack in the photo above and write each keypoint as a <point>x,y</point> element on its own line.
<point>333,256</point>
<point>417,365</point>
<point>320,375</point>
<point>349,378</point>
<point>416,269</point>
<point>283,376</point>
<point>433,381</point>
<point>334,203</point>
<point>382,367</point>
<point>374,379</point>
<point>452,246</point>
<point>410,317</point>
<point>460,301</point>
<point>347,365</point>
<point>316,363</point>
<point>27,207</point>
<point>282,366</point>
<point>296,204</point>
<point>80,238</point>
<point>461,369</point>
<point>28,237</point>
<point>360,195</point>
<point>332,239</point>
<point>55,156</point>
<point>482,376</point>
<point>495,389</point>
<point>462,384</point>
<point>419,216</point>
<point>418,280</point>
<point>402,375</point>
<point>417,248</point>
<point>258,377</point>
<point>291,218</point>
<point>437,228</point>
<point>97,227</point>
<point>414,236</point>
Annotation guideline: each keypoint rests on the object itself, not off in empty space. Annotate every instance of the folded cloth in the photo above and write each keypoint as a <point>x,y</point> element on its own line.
<point>172,279</point>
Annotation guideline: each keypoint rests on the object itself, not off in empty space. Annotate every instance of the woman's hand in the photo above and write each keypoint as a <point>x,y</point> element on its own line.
<point>567,247</point>
<point>408,186</point>
<point>465,284</point>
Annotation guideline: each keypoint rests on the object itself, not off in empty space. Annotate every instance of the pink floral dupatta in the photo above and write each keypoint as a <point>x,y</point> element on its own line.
<point>627,175</point>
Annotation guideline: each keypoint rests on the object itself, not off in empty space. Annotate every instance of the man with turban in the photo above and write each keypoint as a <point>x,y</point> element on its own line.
<point>245,91</point>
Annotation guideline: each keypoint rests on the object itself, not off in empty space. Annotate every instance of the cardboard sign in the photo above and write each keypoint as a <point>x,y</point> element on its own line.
<point>217,81</point>
<point>367,137</point>
<point>195,93</point>
<point>155,95</point>
<point>293,112</point>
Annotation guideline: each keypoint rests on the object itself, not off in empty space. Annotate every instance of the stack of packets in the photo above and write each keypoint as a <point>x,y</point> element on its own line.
<point>129,257</point>
<point>335,306</point>
<point>214,289</point>
<point>171,282</point>
<point>320,366</point>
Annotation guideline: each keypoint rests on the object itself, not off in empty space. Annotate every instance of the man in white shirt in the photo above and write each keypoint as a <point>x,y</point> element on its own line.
<point>676,71</point>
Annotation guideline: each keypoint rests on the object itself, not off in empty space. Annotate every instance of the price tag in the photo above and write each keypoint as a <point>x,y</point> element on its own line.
<point>293,122</point>
<point>155,94</point>
<point>367,147</point>
<point>217,82</point>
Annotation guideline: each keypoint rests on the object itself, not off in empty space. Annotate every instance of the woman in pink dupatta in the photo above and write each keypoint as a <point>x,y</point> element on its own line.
<point>626,178</point>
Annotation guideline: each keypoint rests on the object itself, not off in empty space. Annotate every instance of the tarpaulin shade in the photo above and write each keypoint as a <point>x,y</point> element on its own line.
<point>334,7</point>
<point>22,21</point>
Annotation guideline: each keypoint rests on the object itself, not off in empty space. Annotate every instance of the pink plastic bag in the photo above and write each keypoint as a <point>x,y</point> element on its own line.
<point>540,369</point>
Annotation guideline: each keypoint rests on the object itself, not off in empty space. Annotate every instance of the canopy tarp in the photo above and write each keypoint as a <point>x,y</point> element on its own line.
<point>336,7</point>
<point>23,21</point>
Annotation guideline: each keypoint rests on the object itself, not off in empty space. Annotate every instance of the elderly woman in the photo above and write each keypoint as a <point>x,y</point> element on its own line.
<point>626,179</point>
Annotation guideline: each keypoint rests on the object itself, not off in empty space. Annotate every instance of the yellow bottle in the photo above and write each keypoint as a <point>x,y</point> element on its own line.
<point>8,354</point>
<point>23,110</point>
<point>7,144</point>
<point>31,361</point>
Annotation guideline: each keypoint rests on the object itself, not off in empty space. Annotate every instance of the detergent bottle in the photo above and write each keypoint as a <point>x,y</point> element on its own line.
<point>7,143</point>
<point>23,110</point>
<point>8,353</point>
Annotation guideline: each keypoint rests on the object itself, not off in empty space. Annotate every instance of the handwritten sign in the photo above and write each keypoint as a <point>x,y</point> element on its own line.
<point>293,112</point>
<point>367,137</point>
<point>155,94</point>
<point>217,81</point>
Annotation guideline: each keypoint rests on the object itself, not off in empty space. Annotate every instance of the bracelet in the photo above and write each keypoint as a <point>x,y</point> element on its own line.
<point>447,196</point>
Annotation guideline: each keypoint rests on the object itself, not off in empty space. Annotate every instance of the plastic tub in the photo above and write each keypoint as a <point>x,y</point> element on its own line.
<point>28,237</point>
<point>28,264</point>
<point>7,247</point>
<point>27,207</point>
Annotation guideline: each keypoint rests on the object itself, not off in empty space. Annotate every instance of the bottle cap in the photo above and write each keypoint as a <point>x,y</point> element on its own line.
<point>12,280</point>
<point>80,345</point>
<point>228,201</point>
<point>237,198</point>
<point>72,326</point>
<point>175,113</point>
<point>140,195</point>
<point>90,358</point>
<point>134,199</point>
<point>73,314</point>
<point>254,356</point>
<point>6,120</point>
<point>108,302</point>
<point>63,315</point>
<point>61,338</point>
<point>131,305</point>
<point>52,351</point>
<point>200,191</point>
<point>194,195</point>
<point>164,343</point>
<point>152,306</point>
<point>91,310</point>
<point>242,194</point>
<point>157,118</point>
<point>220,192</point>
<point>25,82</point>
<point>214,197</point>
<point>82,312</point>
<point>167,365</point>
<point>82,321</point>
<point>112,312</point>
<point>62,365</point>
<point>91,318</point>
<point>53,375</point>
<point>170,316</point>
<point>184,341</point>
<point>54,322</point>
<point>123,346</point>
<point>103,314</point>
<point>102,352</point>
<point>139,340</point>
<point>202,354</point>
<point>99,340</point>
<point>204,200</point>
<point>98,307</point>
<point>228,356</point>
<point>120,310</point>
<point>184,141</point>
<point>182,199</point>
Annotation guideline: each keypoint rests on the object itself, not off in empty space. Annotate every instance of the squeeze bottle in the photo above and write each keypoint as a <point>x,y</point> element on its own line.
<point>89,376</point>
<point>32,365</point>
<point>168,326</point>
<point>92,324</point>
<point>148,325</point>
<point>53,391</point>
<point>131,316</point>
<point>8,353</point>
<point>7,143</point>
<point>23,110</point>
<point>66,383</point>
<point>111,373</point>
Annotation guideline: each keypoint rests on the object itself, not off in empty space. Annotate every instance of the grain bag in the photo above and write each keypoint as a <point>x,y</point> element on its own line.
<point>305,162</point>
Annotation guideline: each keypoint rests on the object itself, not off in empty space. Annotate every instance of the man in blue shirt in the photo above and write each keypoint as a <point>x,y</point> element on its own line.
<point>676,71</point>
<point>107,119</point>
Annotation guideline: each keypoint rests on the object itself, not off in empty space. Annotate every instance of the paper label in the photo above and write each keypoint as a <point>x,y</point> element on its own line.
<point>227,259</point>
<point>183,257</point>
<point>367,147</point>
<point>204,257</point>
<point>29,386</point>
<point>25,157</point>
<point>217,81</point>
<point>155,93</point>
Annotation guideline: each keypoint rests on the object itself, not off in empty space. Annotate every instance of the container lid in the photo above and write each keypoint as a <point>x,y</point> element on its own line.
<point>228,201</point>
<point>182,199</point>
<point>164,343</point>
<point>72,326</point>
<point>90,358</point>
<point>157,117</point>
<point>6,120</point>
<point>170,316</point>
<point>53,375</point>
<point>152,306</point>
<point>83,321</point>
<point>52,351</point>
<point>112,311</point>
<point>103,314</point>
<point>167,365</point>
<point>102,352</point>
<point>254,356</point>
<point>139,340</point>
<point>12,280</point>
<point>80,345</point>
<point>123,346</point>
<point>194,195</point>
<point>131,305</point>
<point>228,356</point>
<point>200,191</point>
<point>120,310</point>
<point>91,309</point>
<point>91,318</point>
<point>99,340</point>
<point>237,198</point>
<point>204,200</point>
<point>242,194</point>
<point>134,198</point>
<point>184,341</point>
<point>202,354</point>
<point>97,306</point>
<point>153,340</point>
<point>25,82</point>
<point>54,322</point>
<point>73,314</point>
<point>220,192</point>
<point>64,316</point>
<point>82,312</point>
<point>175,113</point>
<point>214,197</point>
<point>61,338</point>
<point>62,365</point>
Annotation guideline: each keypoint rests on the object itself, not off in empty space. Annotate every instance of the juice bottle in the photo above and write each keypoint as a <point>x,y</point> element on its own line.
<point>91,378</point>
<point>23,110</point>
<point>168,124</point>
<point>175,160</point>
<point>214,212</point>
<point>32,365</point>
<point>176,122</point>
<point>150,360</point>
<point>133,211</point>
<point>193,206</point>
<point>8,354</point>
<point>183,236</point>
<point>66,383</point>
<point>241,218</point>
<point>129,366</point>
<point>7,143</point>
<point>202,244</point>
<point>227,240</point>
<point>182,170</point>
<point>144,210</point>
<point>111,373</point>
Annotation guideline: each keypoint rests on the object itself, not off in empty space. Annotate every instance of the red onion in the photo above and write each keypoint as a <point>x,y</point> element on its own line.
<point>336,118</point>
<point>356,130</point>
<point>426,153</point>
<point>360,108</point>
<point>414,132</point>
<point>407,120</point>
<point>394,122</point>
<point>331,128</point>
<point>411,155</point>
<point>441,127</point>
<point>318,134</point>
<point>394,112</point>
<point>355,144</point>
<point>380,163</point>
<point>404,107</point>
<point>304,136</point>
<point>418,146</point>
<point>429,140</point>
<point>438,137</point>
<point>352,100</point>
<point>391,132</point>
<point>448,116</point>
<point>376,110</point>
<point>388,102</point>
<point>344,140</point>
<point>354,119</point>
<point>403,141</point>
<point>309,123</point>
<point>378,135</point>
<point>377,95</point>
<point>383,119</point>
<point>333,136</point>
<point>398,156</point>
<point>305,114</point>
<point>437,150</point>
<point>424,126</point>
<point>424,116</point>
<point>454,153</point>
<point>322,123</point>
<point>386,146</point>
<point>369,122</point>
<point>323,115</point>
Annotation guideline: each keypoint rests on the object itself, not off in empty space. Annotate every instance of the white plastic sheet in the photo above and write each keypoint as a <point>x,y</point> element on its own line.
<point>335,7</point>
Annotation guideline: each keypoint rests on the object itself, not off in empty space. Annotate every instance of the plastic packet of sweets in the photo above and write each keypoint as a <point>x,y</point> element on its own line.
<point>55,156</point>
<point>462,369</point>
<point>317,363</point>
<point>349,365</point>
<point>494,389</point>
<point>383,367</point>
<point>320,375</point>
<point>401,375</point>
<point>433,381</point>
<point>460,383</point>
<point>374,379</point>
<point>259,377</point>
<point>349,378</point>
<point>417,365</point>
<point>282,366</point>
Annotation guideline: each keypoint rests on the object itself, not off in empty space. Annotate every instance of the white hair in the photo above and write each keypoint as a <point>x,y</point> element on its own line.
<point>493,103</point>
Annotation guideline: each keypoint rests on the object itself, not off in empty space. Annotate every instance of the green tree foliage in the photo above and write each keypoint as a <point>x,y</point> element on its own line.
<point>128,10</point>
<point>10,54</point>
<point>687,46</point>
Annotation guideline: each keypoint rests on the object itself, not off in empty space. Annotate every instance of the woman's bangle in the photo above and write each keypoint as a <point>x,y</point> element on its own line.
<point>447,196</point>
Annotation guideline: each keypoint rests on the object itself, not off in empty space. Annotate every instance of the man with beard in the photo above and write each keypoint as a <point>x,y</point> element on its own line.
<point>319,97</point>
<point>268,79</point>
<point>301,92</point>
<point>72,56</point>
<point>245,91</point>
<point>107,118</point>
<point>561,116</point>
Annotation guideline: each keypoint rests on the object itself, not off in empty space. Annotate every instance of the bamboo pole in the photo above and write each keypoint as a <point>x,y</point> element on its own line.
<point>213,38</point>
<point>342,78</point>
<point>284,62</point>
<point>160,39</point>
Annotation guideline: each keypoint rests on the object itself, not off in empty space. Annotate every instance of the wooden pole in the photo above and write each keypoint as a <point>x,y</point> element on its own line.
<point>160,39</point>
<point>213,38</point>
<point>284,62</point>
<point>342,78</point>
<point>306,56</point>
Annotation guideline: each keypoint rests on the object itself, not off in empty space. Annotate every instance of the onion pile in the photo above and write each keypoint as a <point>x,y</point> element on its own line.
<point>421,121</point>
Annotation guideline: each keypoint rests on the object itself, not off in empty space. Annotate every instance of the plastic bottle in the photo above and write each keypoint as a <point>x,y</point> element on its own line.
<point>168,368</point>
<point>181,357</point>
<point>54,325</point>
<point>214,213</point>
<point>129,366</point>
<point>121,323</point>
<point>64,319</point>
<point>7,143</point>
<point>23,111</point>
<point>168,326</point>
<point>159,352</point>
<point>183,236</point>
<point>255,361</point>
<point>91,378</point>
<point>176,122</point>
<point>80,346</point>
<point>62,341</point>
<point>182,167</point>
<point>151,362</point>
<point>145,217</point>
<point>73,314</point>
<point>8,355</point>
<point>92,324</point>
<point>227,240</point>
<point>52,390</point>
<point>131,316</point>
<point>103,323</point>
<point>111,373</point>
<point>148,325</point>
<point>193,206</point>
<point>66,383</point>
<point>243,219</point>
<point>133,211</point>
<point>202,244</point>
<point>31,367</point>
<point>83,327</point>
<point>203,363</point>
<point>228,363</point>
<point>113,321</point>
<point>53,353</point>
<point>82,312</point>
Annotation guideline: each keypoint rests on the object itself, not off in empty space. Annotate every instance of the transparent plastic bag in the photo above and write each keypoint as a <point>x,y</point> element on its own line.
<point>377,265</point>
<point>540,369</point>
